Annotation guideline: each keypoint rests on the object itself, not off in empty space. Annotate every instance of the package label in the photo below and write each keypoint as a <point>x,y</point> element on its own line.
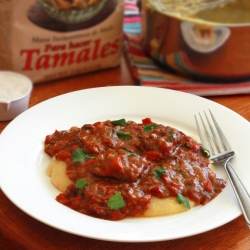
<point>45,40</point>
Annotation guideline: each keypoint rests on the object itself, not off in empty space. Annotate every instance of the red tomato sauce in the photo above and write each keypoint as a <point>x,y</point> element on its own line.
<point>124,158</point>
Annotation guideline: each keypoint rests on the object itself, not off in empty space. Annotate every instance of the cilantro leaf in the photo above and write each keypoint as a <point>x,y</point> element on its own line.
<point>206,151</point>
<point>131,153</point>
<point>171,135</point>
<point>123,135</point>
<point>181,199</point>
<point>116,202</point>
<point>150,127</point>
<point>81,183</point>
<point>80,155</point>
<point>158,172</point>
<point>121,122</point>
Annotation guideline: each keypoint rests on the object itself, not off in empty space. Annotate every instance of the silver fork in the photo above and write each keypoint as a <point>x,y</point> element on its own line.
<point>215,141</point>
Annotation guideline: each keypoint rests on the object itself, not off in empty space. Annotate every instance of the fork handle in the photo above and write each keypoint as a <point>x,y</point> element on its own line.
<point>240,191</point>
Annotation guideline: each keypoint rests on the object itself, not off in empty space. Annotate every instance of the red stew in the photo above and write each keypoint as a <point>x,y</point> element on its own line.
<point>123,157</point>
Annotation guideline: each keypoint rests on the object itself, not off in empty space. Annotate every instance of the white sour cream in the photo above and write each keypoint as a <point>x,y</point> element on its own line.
<point>13,86</point>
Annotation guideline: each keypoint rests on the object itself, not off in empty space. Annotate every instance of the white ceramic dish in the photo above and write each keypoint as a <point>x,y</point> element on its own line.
<point>23,162</point>
<point>16,88</point>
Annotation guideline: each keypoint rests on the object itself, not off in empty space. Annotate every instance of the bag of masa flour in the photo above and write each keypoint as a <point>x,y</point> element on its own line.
<point>51,39</point>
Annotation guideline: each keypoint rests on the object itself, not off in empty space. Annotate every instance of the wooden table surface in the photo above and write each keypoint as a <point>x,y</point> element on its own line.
<point>19,231</point>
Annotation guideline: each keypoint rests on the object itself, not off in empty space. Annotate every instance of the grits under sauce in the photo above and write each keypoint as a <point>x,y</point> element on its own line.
<point>124,158</point>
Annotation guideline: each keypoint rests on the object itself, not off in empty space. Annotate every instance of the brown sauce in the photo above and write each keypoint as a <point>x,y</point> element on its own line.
<point>124,159</point>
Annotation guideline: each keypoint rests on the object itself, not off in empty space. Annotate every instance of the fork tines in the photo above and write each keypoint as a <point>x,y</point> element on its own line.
<point>212,136</point>
<point>214,140</point>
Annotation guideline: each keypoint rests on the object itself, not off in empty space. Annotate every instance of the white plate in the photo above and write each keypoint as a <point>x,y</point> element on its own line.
<point>23,162</point>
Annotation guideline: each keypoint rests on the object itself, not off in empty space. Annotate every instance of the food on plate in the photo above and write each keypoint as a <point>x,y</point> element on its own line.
<point>118,169</point>
<point>57,171</point>
<point>72,4</point>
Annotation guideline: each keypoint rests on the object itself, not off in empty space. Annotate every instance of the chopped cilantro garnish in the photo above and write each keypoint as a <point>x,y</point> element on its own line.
<point>181,199</point>
<point>81,183</point>
<point>171,135</point>
<point>158,172</point>
<point>206,151</point>
<point>121,122</point>
<point>123,135</point>
<point>130,153</point>
<point>116,202</point>
<point>80,155</point>
<point>150,127</point>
